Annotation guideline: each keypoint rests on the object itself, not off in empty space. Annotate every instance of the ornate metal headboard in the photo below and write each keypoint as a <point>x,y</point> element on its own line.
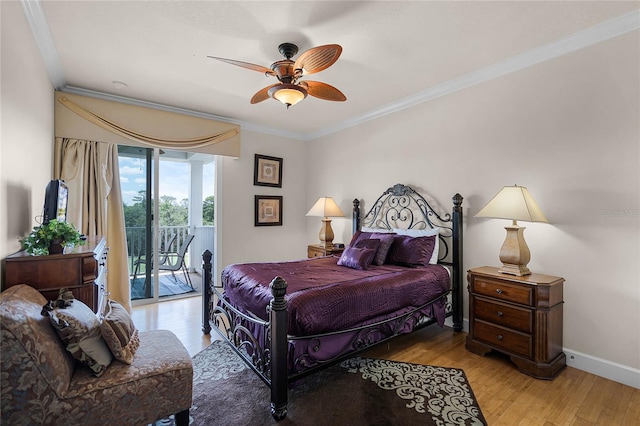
<point>401,207</point>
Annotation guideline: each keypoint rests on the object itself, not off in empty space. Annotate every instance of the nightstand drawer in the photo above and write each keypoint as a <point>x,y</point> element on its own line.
<point>503,338</point>
<point>314,253</point>
<point>502,314</point>
<point>315,250</point>
<point>504,291</point>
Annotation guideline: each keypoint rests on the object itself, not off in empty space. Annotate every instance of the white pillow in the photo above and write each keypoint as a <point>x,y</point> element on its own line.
<point>378,230</point>
<point>424,233</point>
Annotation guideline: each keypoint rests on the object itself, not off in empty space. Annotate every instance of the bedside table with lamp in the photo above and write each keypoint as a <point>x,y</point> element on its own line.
<point>511,310</point>
<point>326,208</point>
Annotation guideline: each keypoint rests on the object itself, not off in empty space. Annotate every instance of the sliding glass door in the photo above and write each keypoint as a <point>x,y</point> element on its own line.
<point>163,231</point>
<point>137,183</point>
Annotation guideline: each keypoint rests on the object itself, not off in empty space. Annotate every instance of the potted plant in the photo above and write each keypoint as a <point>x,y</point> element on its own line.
<point>51,238</point>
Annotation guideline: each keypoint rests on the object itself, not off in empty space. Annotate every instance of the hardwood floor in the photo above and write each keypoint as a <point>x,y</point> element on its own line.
<point>505,396</point>
<point>182,316</point>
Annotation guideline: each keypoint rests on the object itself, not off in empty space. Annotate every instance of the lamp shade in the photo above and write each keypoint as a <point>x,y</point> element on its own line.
<point>515,203</point>
<point>288,94</point>
<point>325,207</point>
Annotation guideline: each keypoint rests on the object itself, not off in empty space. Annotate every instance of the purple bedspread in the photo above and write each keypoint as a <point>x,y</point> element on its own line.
<point>323,296</point>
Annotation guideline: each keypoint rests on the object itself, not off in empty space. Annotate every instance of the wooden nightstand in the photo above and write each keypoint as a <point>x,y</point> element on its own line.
<point>316,250</point>
<point>518,316</point>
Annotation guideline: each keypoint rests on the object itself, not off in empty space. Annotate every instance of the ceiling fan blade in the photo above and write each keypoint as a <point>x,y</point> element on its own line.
<point>247,65</point>
<point>323,91</point>
<point>318,58</point>
<point>262,94</point>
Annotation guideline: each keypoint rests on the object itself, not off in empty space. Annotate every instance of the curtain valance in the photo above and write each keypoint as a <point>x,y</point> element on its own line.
<point>97,119</point>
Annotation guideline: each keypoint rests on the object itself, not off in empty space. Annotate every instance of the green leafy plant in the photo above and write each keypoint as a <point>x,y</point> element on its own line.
<point>42,237</point>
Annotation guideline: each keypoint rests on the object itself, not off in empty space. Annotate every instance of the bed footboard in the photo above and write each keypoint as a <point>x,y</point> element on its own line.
<point>279,347</point>
<point>263,345</point>
<point>207,289</point>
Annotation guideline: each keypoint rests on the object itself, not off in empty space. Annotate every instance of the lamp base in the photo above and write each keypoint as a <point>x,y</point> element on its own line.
<point>514,253</point>
<point>519,270</point>
<point>326,234</point>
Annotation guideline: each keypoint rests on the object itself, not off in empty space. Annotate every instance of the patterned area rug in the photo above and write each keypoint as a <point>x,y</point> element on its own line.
<point>359,391</point>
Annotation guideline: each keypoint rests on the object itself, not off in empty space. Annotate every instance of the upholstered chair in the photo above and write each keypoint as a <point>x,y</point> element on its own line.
<point>43,384</point>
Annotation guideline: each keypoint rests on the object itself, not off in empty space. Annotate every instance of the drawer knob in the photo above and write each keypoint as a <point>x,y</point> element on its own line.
<point>499,290</point>
<point>500,313</point>
<point>499,337</point>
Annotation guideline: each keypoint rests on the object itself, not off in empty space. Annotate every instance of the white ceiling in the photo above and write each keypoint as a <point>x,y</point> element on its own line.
<point>395,53</point>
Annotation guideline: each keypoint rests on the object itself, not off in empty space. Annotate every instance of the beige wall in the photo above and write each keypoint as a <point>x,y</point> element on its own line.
<point>568,129</point>
<point>242,241</point>
<point>26,138</point>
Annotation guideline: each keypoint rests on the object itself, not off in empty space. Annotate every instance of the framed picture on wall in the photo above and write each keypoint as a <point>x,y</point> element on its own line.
<point>267,171</point>
<point>268,210</point>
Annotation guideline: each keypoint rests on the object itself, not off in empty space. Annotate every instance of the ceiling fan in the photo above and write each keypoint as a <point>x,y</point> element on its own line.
<point>291,89</point>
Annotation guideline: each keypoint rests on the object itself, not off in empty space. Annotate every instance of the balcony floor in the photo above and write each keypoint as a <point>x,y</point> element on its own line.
<point>170,287</point>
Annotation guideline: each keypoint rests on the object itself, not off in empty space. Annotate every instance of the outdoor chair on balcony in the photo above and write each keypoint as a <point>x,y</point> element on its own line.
<point>142,258</point>
<point>174,261</point>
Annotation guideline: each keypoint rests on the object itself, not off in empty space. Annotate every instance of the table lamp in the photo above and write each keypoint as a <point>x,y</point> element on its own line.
<point>514,203</point>
<point>325,208</point>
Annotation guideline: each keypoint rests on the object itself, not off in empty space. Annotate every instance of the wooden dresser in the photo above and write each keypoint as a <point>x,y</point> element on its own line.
<point>82,270</point>
<point>518,316</point>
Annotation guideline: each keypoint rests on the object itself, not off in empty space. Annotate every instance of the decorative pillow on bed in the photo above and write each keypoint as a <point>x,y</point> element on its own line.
<point>356,258</point>
<point>358,236</point>
<point>79,329</point>
<point>371,243</point>
<point>424,233</point>
<point>386,239</point>
<point>411,251</point>
<point>119,332</point>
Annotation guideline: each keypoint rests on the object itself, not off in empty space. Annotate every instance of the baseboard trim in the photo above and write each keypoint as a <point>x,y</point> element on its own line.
<point>601,367</point>
<point>465,324</point>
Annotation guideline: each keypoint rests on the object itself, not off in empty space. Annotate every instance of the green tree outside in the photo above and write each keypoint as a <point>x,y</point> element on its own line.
<point>172,212</point>
<point>208,211</point>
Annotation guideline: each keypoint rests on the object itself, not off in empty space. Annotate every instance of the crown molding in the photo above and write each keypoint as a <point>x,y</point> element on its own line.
<point>579,40</point>
<point>37,20</point>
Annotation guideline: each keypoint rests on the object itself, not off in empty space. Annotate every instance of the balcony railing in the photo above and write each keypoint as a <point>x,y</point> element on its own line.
<point>203,239</point>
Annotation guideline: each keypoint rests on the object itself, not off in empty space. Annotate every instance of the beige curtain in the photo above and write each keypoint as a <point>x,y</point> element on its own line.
<point>90,170</point>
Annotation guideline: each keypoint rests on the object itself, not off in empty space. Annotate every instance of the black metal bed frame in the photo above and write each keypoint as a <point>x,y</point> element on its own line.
<point>266,353</point>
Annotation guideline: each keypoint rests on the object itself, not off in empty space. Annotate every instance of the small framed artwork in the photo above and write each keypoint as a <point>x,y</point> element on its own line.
<point>267,171</point>
<point>268,210</point>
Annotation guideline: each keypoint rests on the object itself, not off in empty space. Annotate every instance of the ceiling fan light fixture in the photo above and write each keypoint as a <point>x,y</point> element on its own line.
<point>288,94</point>
<point>290,90</point>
